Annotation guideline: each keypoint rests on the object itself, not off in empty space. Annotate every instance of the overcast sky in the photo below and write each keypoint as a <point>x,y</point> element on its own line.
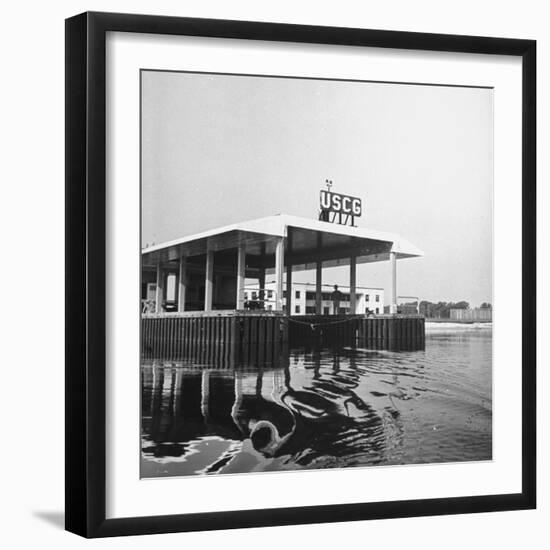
<point>219,149</point>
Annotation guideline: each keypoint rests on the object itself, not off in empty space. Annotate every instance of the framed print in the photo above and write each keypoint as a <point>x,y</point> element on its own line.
<point>300,277</point>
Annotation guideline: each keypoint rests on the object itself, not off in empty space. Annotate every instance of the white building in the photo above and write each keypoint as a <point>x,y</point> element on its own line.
<point>302,299</point>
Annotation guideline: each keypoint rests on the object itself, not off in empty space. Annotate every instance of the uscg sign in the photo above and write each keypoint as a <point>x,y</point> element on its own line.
<point>335,202</point>
<point>339,208</point>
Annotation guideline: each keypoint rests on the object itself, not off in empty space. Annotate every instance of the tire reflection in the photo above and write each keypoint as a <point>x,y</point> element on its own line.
<point>304,412</point>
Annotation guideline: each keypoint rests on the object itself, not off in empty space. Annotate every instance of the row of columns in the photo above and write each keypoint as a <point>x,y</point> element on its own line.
<point>352,285</point>
<point>209,279</point>
<point>279,269</point>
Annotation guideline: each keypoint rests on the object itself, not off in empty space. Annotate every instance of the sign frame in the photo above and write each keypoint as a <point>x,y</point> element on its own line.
<point>341,214</point>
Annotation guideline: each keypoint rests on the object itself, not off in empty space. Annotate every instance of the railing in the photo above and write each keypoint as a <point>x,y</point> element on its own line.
<point>148,306</point>
<point>255,298</point>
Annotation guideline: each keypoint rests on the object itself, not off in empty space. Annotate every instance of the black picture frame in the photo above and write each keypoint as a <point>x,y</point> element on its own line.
<point>86,273</point>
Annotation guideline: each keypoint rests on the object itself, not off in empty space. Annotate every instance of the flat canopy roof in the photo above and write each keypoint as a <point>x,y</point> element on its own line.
<point>306,242</point>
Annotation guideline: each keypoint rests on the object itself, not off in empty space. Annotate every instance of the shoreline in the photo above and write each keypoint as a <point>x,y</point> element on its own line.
<point>451,326</point>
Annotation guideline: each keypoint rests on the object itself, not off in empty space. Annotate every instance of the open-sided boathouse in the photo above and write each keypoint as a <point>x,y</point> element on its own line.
<point>194,288</point>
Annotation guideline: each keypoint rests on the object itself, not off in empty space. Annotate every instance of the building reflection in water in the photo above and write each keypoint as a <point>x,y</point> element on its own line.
<point>308,411</point>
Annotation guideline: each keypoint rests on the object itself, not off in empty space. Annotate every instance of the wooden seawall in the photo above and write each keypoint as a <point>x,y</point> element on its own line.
<point>384,332</point>
<point>230,338</point>
<point>213,338</point>
<point>392,332</point>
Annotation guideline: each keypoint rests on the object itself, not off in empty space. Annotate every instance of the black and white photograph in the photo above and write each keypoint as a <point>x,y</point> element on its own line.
<point>290,267</point>
<point>316,273</point>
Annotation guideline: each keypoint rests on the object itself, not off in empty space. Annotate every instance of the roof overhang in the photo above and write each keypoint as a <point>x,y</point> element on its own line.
<point>306,242</point>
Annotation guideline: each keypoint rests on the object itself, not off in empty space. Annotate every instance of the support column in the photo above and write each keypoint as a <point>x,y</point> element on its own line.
<point>182,283</point>
<point>319,288</point>
<point>261,285</point>
<point>209,280</point>
<point>241,264</point>
<point>279,267</point>
<point>353,285</point>
<point>288,289</point>
<point>159,293</point>
<point>393,287</point>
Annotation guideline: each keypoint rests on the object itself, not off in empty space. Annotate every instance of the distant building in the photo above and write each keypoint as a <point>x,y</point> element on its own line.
<point>302,300</point>
<point>473,315</point>
<point>406,305</point>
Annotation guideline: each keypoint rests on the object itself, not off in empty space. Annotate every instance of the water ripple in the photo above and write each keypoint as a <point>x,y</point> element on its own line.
<point>320,409</point>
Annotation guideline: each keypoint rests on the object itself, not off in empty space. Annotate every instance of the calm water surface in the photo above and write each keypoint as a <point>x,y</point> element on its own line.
<point>327,408</point>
